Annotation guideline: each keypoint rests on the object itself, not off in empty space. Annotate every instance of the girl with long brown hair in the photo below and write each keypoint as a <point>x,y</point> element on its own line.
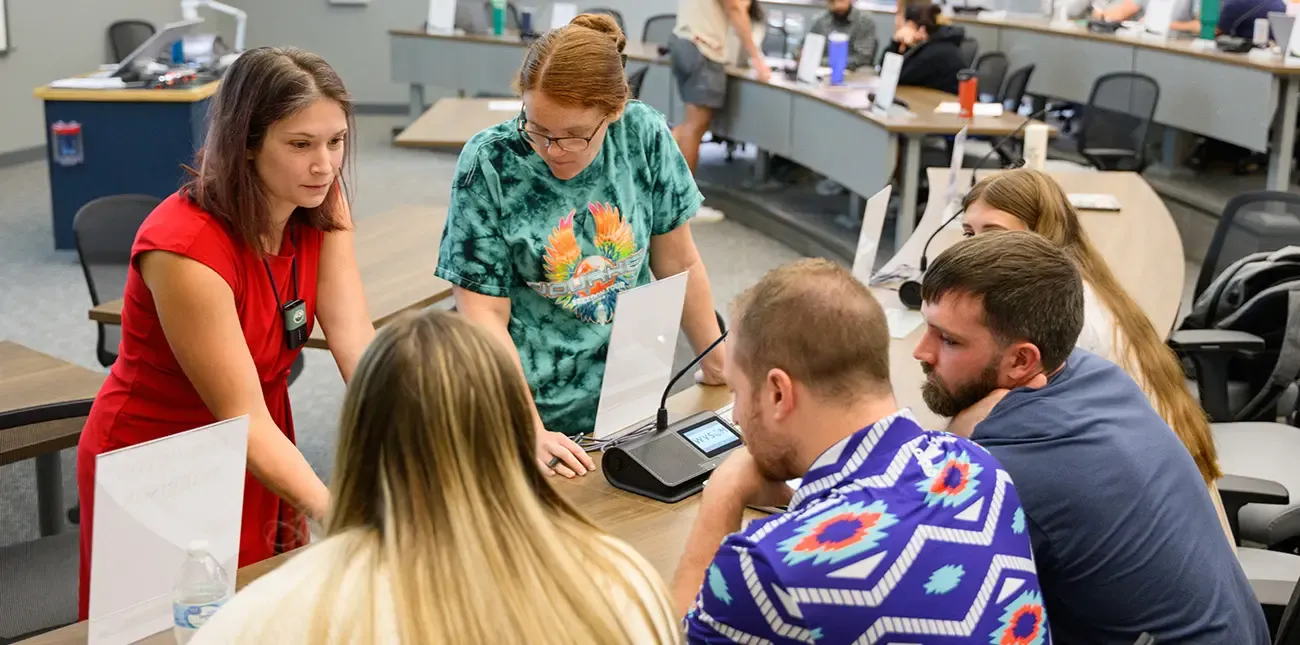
<point>1115,327</point>
<point>227,277</point>
<point>442,530</point>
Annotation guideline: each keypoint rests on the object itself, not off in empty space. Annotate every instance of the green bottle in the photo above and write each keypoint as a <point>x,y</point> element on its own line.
<point>498,17</point>
<point>1209,18</point>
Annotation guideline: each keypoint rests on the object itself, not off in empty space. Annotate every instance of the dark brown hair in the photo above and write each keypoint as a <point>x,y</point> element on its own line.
<point>1036,199</point>
<point>1029,289</point>
<point>925,15</point>
<point>263,86</point>
<point>579,65</point>
<point>815,321</point>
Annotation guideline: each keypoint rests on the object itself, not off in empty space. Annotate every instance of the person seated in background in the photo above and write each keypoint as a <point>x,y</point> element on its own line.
<point>931,49</point>
<point>1125,536</point>
<point>841,16</point>
<point>1074,9</point>
<point>893,528</point>
<point>442,529</point>
<point>1237,17</point>
<point>1114,326</point>
<point>1185,17</point>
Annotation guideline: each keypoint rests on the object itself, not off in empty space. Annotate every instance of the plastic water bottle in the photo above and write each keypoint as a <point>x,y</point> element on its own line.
<point>201,589</point>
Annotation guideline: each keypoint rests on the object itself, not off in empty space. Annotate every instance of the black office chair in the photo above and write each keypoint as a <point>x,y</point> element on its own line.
<point>969,48</point>
<point>635,80</point>
<point>1011,96</point>
<point>104,230</point>
<point>1114,125</point>
<point>125,36</point>
<point>992,69</point>
<point>618,15</point>
<point>775,41</point>
<point>659,29</point>
<point>1288,628</point>
<point>512,15</point>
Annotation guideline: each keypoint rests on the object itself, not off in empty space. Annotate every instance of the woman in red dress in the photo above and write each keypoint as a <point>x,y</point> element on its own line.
<point>258,242</point>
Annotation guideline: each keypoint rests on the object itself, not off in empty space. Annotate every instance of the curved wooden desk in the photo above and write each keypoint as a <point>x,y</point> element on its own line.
<point>1196,79</point>
<point>827,129</point>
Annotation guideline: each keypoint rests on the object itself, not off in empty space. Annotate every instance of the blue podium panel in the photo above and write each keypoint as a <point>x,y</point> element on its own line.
<point>128,147</point>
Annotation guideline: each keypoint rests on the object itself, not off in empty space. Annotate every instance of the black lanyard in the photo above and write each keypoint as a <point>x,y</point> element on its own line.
<point>293,314</point>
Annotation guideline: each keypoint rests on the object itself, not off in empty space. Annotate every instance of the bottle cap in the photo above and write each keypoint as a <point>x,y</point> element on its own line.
<point>198,546</point>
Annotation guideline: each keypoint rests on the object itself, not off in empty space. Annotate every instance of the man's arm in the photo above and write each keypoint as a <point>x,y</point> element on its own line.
<point>1121,11</point>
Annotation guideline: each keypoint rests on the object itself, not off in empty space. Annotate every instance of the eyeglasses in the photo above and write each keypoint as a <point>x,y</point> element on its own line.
<point>567,144</point>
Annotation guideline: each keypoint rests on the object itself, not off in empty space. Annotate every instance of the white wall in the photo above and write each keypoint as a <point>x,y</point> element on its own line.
<point>53,39</point>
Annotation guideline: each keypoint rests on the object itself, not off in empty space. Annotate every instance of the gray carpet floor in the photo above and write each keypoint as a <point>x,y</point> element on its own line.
<point>43,296</point>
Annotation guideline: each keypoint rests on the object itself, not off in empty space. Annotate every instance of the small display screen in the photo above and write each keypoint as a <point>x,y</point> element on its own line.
<point>711,438</point>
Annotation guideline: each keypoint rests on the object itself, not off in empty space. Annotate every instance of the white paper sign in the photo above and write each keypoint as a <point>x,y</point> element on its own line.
<point>151,501</point>
<point>563,13</point>
<point>981,109</point>
<point>1159,15</point>
<point>1292,53</point>
<point>810,58</point>
<point>873,222</point>
<point>954,166</point>
<point>888,85</point>
<point>639,362</point>
<point>505,106</point>
<point>441,18</point>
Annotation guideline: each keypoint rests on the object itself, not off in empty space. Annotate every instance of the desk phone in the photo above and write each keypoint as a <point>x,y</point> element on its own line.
<point>672,464</point>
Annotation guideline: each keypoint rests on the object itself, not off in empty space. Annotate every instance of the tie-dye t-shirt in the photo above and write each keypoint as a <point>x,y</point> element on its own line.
<point>562,250</point>
<point>895,535</point>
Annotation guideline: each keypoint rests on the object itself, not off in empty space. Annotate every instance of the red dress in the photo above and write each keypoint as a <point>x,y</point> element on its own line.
<point>148,396</point>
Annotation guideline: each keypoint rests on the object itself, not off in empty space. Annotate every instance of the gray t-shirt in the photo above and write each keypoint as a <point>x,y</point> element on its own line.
<point>1124,534</point>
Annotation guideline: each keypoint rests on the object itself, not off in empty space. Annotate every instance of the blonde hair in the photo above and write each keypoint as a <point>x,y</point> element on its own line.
<point>579,65</point>
<point>437,505</point>
<point>1036,199</point>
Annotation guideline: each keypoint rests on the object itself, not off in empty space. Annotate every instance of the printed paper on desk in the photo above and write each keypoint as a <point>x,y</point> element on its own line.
<point>873,223</point>
<point>888,85</point>
<point>810,58</point>
<point>981,109</point>
<point>151,501</point>
<point>562,13</point>
<point>639,362</point>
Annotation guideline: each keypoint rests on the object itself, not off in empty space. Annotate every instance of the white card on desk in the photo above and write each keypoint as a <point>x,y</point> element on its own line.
<point>810,58</point>
<point>888,85</point>
<point>1094,201</point>
<point>981,109</point>
<point>639,362</point>
<point>505,106</point>
<point>873,223</point>
<point>151,501</point>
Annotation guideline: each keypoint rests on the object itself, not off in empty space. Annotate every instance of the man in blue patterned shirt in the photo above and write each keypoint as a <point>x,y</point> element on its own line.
<point>895,535</point>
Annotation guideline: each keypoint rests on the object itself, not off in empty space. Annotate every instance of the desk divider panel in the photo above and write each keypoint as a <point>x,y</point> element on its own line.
<point>411,56</point>
<point>1066,66</point>
<point>1229,102</point>
<point>656,91</point>
<point>843,145</point>
<point>756,113</point>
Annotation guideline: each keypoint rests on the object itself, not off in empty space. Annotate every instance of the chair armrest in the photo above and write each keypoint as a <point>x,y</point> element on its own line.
<point>1193,341</point>
<point>1237,491</point>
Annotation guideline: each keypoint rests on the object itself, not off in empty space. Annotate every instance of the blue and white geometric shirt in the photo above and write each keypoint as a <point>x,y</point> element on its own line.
<point>896,535</point>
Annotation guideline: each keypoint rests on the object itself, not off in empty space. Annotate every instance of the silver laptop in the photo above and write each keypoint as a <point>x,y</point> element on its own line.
<point>151,49</point>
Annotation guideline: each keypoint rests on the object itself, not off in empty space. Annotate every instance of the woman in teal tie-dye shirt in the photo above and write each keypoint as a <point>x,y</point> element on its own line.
<point>584,195</point>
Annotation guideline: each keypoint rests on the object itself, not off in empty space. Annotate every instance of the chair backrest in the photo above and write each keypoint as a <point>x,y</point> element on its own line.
<point>1013,92</point>
<point>992,68</point>
<point>1119,113</point>
<point>659,29</point>
<point>1288,627</point>
<point>969,48</point>
<point>124,36</point>
<point>105,230</point>
<point>618,15</point>
<point>512,15</point>
<point>1252,222</point>
<point>775,40</point>
<point>635,80</point>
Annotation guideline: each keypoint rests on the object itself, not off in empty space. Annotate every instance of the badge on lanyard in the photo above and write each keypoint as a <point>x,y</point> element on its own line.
<point>294,312</point>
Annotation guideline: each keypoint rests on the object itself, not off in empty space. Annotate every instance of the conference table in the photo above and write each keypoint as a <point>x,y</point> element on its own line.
<point>1225,96</point>
<point>43,406</point>
<point>829,129</point>
<point>1140,242</point>
<point>397,251</point>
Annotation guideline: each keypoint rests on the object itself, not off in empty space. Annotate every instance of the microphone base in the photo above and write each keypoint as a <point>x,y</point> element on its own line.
<point>1233,44</point>
<point>909,293</point>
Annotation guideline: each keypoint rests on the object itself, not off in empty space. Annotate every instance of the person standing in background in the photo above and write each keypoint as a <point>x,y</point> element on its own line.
<point>699,50</point>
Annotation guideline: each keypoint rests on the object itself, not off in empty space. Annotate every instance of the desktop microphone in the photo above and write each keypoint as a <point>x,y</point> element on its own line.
<point>909,293</point>
<point>1235,44</point>
<point>661,419</point>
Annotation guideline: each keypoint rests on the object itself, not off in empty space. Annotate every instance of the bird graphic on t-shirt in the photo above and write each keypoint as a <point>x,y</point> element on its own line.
<point>591,284</point>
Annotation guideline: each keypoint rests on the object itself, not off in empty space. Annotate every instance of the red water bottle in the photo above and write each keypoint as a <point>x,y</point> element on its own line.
<point>968,87</point>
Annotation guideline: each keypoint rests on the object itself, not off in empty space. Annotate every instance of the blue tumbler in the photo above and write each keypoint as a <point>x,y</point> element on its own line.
<point>837,49</point>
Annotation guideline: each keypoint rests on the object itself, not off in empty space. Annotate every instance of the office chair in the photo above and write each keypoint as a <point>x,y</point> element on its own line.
<point>1011,96</point>
<point>512,15</point>
<point>618,16</point>
<point>635,80</point>
<point>1114,125</point>
<point>969,48</point>
<point>125,36</point>
<point>1288,628</point>
<point>992,69</point>
<point>659,29</point>
<point>775,41</point>
<point>104,230</point>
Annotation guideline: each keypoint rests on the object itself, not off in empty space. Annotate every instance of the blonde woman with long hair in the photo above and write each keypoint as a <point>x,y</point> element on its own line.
<point>442,530</point>
<point>1114,327</point>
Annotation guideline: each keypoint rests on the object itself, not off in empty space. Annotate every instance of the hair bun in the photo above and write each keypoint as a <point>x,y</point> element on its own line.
<point>603,23</point>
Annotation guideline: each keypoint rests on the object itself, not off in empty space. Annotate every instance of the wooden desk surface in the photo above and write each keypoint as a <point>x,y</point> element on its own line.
<point>658,531</point>
<point>396,253</point>
<point>31,379</point>
<point>138,95</point>
<point>451,122</point>
<point>1140,243</point>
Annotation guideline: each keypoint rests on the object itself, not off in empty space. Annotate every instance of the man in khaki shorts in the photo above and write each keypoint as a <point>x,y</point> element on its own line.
<point>703,45</point>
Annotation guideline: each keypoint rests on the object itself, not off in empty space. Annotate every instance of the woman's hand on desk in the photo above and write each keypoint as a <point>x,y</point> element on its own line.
<point>572,461</point>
